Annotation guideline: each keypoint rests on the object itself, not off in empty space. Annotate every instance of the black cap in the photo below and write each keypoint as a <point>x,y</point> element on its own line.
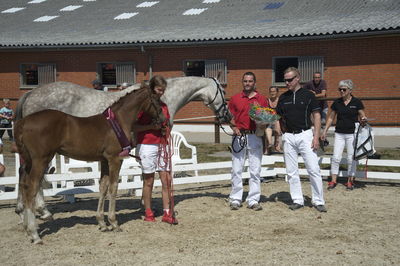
<point>96,82</point>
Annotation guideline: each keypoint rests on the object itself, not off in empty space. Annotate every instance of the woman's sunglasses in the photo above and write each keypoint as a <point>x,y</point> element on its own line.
<point>342,89</point>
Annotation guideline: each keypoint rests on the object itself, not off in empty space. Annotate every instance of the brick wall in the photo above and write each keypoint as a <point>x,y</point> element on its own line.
<point>373,63</point>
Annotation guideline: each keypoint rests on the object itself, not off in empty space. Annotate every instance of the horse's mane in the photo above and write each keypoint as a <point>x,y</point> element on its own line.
<point>123,98</point>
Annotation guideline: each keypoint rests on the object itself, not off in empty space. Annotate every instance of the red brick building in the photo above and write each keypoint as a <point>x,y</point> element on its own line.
<point>51,51</point>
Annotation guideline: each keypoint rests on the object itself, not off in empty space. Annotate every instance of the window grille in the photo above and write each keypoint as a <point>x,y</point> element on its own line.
<point>36,74</point>
<point>216,69</point>
<point>307,65</point>
<point>125,73</point>
<point>207,68</point>
<point>114,73</point>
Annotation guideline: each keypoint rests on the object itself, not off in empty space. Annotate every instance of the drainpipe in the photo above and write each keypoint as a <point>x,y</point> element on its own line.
<point>150,60</point>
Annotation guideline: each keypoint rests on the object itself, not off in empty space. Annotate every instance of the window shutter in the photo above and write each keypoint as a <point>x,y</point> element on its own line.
<point>310,64</point>
<point>216,69</point>
<point>125,73</point>
<point>46,73</point>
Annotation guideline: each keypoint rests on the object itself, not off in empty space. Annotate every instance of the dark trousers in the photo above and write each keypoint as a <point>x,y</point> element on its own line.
<point>9,131</point>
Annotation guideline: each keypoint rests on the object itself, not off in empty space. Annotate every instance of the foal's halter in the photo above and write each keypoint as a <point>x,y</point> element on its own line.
<point>223,106</point>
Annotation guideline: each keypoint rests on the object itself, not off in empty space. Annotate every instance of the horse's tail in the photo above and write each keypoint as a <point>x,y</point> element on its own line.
<point>20,106</point>
<point>25,157</point>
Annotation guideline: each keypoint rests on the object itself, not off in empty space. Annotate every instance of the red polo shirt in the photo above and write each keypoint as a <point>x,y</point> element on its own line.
<point>239,105</point>
<point>150,136</point>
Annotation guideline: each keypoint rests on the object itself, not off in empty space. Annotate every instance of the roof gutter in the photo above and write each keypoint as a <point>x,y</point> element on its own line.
<point>142,45</point>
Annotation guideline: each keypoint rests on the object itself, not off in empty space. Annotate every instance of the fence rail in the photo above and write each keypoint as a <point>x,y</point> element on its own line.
<point>130,178</point>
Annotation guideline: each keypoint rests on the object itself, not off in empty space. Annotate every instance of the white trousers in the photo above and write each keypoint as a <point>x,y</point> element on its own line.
<point>252,147</point>
<point>342,140</point>
<point>293,144</point>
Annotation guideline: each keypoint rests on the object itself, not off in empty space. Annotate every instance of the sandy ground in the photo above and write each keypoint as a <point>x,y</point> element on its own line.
<point>360,227</point>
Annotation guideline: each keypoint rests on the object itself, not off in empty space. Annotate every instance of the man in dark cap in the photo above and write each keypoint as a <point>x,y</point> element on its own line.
<point>97,85</point>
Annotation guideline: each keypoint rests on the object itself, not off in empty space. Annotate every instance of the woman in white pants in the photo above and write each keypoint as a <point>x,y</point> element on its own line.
<point>348,110</point>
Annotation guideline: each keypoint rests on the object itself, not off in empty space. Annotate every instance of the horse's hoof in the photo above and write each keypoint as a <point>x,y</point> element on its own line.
<point>103,229</point>
<point>46,217</point>
<point>38,242</point>
<point>117,229</point>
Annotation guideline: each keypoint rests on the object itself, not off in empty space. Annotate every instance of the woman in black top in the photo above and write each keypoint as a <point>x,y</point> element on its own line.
<point>349,111</point>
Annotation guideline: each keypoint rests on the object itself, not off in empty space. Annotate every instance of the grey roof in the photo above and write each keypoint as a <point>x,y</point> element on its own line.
<point>93,21</point>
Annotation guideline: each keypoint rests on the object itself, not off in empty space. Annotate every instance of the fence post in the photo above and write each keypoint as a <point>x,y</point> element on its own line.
<point>217,138</point>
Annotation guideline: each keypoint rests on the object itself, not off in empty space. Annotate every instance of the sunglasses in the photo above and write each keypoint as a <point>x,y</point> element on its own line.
<point>342,89</point>
<point>290,80</point>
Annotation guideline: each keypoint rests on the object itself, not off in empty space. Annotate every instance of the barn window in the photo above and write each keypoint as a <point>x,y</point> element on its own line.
<point>307,65</point>
<point>113,73</point>
<point>33,75</point>
<point>207,68</point>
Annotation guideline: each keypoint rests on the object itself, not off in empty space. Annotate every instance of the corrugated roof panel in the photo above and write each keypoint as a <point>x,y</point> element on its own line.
<point>194,11</point>
<point>126,15</point>
<point>70,8</point>
<point>45,18</point>
<point>223,21</point>
<point>274,5</point>
<point>13,10</point>
<point>148,4</point>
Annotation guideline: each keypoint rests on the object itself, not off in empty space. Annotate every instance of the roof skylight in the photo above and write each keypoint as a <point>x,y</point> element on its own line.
<point>274,5</point>
<point>13,10</point>
<point>70,8</point>
<point>210,1</point>
<point>126,15</point>
<point>194,11</point>
<point>45,18</point>
<point>36,1</point>
<point>148,4</point>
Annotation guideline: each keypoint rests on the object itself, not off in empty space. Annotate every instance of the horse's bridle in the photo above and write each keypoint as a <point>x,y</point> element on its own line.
<point>223,106</point>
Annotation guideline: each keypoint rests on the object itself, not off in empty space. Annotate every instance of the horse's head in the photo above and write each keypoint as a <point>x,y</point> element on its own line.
<point>153,107</point>
<point>218,103</point>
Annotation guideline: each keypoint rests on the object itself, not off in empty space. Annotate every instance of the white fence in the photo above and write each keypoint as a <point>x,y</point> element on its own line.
<point>130,175</point>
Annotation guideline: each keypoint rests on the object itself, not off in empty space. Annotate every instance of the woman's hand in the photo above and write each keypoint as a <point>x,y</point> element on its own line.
<point>363,121</point>
<point>323,135</point>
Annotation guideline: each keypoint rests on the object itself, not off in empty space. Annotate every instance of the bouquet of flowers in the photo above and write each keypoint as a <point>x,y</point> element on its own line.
<point>263,115</point>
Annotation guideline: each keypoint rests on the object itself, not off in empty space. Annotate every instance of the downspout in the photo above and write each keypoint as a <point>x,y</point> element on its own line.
<point>150,60</point>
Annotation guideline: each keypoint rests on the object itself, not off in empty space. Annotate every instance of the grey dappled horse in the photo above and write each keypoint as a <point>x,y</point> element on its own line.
<point>81,101</point>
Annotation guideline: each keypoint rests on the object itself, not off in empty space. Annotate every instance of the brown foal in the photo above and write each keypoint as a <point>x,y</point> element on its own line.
<point>41,135</point>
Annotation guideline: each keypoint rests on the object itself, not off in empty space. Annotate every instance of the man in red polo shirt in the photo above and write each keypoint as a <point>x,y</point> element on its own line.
<point>245,142</point>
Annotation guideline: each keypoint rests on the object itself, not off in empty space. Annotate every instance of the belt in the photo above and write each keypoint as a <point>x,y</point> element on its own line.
<point>296,131</point>
<point>245,131</point>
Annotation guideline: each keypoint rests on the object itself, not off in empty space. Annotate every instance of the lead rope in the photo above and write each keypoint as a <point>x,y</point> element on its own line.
<point>165,153</point>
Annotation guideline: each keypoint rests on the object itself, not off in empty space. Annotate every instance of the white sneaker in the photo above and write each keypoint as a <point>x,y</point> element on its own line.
<point>234,205</point>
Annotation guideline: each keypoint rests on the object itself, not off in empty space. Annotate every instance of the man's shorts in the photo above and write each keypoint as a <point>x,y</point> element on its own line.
<point>149,158</point>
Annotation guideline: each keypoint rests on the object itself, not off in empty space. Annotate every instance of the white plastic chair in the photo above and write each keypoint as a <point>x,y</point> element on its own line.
<point>177,140</point>
<point>65,167</point>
